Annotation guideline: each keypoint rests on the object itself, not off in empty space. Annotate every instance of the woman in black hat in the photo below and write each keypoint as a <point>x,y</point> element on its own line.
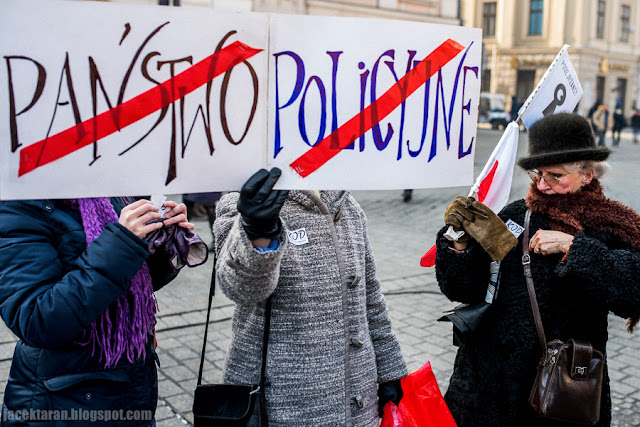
<point>585,262</point>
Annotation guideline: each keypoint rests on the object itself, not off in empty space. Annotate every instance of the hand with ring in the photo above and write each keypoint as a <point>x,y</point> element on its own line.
<point>548,242</point>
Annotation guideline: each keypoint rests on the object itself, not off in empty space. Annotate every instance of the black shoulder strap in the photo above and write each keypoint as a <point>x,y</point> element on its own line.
<point>526,264</point>
<point>212,291</point>
<point>267,323</point>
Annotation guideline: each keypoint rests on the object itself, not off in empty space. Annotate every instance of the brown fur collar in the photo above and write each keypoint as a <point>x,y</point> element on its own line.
<point>572,212</point>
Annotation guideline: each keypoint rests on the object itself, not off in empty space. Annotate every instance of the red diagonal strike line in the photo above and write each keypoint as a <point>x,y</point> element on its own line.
<point>342,137</point>
<point>102,125</point>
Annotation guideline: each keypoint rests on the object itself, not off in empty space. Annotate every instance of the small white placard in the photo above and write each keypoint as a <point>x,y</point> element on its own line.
<point>514,228</point>
<point>298,237</point>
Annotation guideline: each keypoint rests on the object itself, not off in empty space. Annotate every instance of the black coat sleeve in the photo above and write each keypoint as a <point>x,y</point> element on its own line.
<point>46,299</point>
<point>610,274</point>
<point>462,277</point>
<point>162,272</point>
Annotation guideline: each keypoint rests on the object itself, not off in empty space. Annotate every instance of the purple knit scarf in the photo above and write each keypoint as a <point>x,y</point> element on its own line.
<point>123,328</point>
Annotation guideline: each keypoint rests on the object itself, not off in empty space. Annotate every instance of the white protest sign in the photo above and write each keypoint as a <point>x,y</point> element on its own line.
<point>81,72</point>
<point>559,91</point>
<point>329,79</point>
<point>113,99</point>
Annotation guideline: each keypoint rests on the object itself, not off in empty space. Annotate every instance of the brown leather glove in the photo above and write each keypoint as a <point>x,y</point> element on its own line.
<point>456,214</point>
<point>484,226</point>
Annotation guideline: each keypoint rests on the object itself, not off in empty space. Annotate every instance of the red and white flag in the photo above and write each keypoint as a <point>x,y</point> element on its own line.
<point>493,185</point>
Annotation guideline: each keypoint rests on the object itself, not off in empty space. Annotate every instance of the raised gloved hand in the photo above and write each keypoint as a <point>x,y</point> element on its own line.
<point>484,226</point>
<point>455,214</point>
<point>389,391</point>
<point>259,205</point>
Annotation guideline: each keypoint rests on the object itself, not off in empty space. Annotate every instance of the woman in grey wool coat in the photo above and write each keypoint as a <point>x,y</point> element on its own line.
<point>332,358</point>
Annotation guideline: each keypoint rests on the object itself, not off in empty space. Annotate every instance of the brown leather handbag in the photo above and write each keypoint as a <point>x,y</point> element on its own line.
<point>568,386</point>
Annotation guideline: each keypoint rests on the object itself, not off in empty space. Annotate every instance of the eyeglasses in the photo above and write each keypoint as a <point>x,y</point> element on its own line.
<point>550,178</point>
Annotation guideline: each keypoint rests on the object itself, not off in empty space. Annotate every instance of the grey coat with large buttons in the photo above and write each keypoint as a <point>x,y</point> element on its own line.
<point>330,338</point>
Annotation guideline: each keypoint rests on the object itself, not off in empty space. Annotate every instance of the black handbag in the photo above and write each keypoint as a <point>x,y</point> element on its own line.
<point>467,318</point>
<point>568,385</point>
<point>231,405</point>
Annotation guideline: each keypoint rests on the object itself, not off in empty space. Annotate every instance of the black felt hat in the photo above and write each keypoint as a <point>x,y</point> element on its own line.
<point>561,138</point>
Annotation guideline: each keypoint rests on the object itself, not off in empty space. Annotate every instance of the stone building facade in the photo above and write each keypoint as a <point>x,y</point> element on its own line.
<point>521,38</point>
<point>434,11</point>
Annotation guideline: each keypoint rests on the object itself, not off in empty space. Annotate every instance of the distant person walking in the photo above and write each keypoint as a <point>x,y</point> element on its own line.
<point>635,125</point>
<point>594,108</point>
<point>619,123</point>
<point>599,122</point>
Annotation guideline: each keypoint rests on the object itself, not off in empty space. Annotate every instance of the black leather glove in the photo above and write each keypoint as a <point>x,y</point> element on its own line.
<point>389,391</point>
<point>259,205</point>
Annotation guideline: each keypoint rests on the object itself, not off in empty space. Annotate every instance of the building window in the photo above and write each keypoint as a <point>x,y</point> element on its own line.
<point>525,82</point>
<point>489,19</point>
<point>535,17</point>
<point>600,21</point>
<point>485,81</point>
<point>168,2</point>
<point>625,17</point>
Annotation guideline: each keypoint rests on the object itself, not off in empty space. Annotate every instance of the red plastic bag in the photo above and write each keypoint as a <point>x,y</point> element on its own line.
<point>422,404</point>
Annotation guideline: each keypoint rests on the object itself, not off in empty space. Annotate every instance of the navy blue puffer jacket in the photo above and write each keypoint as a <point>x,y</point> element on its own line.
<point>52,287</point>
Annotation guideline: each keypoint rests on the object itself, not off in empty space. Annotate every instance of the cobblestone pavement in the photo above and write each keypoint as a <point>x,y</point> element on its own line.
<point>400,233</point>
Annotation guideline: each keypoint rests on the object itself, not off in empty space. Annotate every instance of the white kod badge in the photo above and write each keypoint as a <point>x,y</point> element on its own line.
<point>298,237</point>
<point>514,228</point>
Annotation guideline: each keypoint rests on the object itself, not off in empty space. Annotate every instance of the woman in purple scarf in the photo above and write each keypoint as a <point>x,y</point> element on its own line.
<point>76,287</point>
